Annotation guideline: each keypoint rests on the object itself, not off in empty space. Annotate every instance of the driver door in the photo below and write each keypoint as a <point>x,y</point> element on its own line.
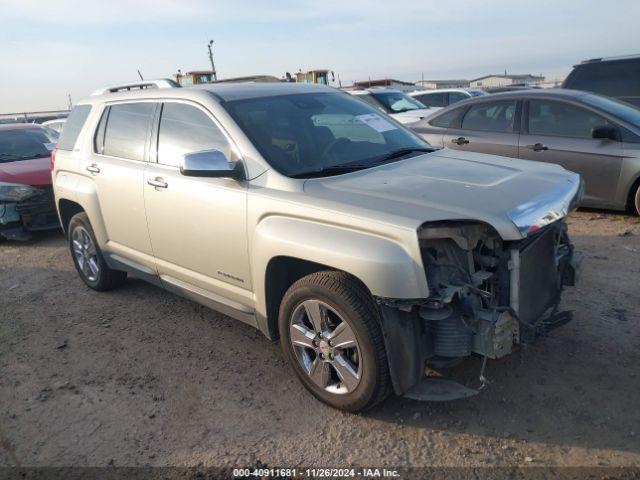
<point>197,225</point>
<point>560,132</point>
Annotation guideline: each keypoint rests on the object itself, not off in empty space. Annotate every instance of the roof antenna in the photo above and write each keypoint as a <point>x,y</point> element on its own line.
<point>140,75</point>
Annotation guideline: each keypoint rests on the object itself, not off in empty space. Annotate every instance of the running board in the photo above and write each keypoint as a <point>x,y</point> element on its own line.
<point>435,389</point>
<point>209,299</point>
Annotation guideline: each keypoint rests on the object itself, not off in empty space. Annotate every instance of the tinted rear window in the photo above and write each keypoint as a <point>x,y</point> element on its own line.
<point>126,131</point>
<point>619,79</point>
<point>24,144</point>
<point>73,127</point>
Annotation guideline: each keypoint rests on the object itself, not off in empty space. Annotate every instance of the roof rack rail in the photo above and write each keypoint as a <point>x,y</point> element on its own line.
<point>141,85</point>
<point>614,58</point>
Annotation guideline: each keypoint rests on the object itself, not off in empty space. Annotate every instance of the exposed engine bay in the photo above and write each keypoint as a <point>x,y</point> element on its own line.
<point>485,295</point>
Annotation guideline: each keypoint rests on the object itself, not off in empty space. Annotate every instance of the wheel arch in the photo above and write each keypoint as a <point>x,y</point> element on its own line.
<point>284,249</point>
<point>635,185</point>
<point>66,210</point>
<point>282,272</point>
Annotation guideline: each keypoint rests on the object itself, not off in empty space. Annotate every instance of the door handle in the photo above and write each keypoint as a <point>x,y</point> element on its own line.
<point>157,182</point>
<point>460,141</point>
<point>538,147</point>
<point>93,168</point>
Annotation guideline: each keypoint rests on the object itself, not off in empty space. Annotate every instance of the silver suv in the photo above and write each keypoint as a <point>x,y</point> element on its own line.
<point>318,220</point>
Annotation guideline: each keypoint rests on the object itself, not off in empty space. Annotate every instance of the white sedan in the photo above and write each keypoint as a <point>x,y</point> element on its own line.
<point>395,103</point>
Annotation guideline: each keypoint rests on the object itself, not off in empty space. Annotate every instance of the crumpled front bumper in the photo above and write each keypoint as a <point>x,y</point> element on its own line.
<point>19,219</point>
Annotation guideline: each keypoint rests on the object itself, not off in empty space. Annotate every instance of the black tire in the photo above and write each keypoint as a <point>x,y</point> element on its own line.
<point>351,300</point>
<point>106,278</point>
<point>637,200</point>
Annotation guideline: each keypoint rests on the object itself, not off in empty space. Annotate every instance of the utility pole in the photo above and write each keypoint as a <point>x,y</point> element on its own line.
<point>69,102</point>
<point>213,67</point>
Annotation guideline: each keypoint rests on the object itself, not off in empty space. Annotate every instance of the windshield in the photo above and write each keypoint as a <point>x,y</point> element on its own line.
<point>24,144</point>
<point>624,111</point>
<point>314,134</point>
<point>397,102</point>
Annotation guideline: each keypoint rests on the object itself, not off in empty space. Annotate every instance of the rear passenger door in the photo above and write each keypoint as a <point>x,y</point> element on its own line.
<point>487,127</point>
<point>560,132</point>
<point>116,166</point>
<point>197,225</point>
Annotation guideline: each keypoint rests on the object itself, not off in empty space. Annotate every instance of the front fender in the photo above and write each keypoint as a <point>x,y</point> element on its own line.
<point>388,267</point>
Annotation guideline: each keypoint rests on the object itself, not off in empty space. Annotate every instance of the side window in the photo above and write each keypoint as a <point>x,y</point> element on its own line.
<point>73,127</point>
<point>491,116</point>
<point>432,99</point>
<point>126,127</point>
<point>456,97</point>
<point>446,119</point>
<point>562,119</point>
<point>187,129</point>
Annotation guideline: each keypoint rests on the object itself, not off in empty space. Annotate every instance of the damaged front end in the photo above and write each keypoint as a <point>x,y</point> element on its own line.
<point>486,295</point>
<point>25,209</point>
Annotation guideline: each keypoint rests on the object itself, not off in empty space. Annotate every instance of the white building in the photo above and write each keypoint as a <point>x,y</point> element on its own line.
<point>439,84</point>
<point>489,81</point>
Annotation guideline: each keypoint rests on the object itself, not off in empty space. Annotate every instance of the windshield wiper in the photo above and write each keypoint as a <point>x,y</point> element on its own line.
<point>334,170</point>
<point>402,152</point>
<point>353,167</point>
<point>15,156</point>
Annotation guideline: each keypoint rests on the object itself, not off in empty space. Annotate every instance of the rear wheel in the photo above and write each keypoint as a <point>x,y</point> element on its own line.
<point>637,201</point>
<point>87,256</point>
<point>330,334</point>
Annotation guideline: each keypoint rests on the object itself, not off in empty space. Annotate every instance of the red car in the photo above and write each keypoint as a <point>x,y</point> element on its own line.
<point>26,196</point>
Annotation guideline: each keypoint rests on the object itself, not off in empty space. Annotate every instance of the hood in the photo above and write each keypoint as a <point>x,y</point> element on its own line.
<point>514,196</point>
<point>413,115</point>
<point>36,172</point>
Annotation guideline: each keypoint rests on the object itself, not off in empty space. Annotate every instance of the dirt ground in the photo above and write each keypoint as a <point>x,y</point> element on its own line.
<point>138,376</point>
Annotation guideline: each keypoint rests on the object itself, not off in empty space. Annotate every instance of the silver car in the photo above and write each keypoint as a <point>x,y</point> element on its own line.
<point>595,136</point>
<point>320,221</point>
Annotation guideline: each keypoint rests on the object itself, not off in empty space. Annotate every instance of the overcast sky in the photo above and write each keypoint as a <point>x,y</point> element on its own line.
<point>49,49</point>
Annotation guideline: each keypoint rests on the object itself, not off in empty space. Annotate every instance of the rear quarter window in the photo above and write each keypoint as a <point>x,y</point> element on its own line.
<point>73,127</point>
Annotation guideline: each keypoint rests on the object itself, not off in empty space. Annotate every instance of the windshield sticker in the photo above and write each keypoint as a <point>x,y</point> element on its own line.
<point>376,122</point>
<point>49,146</point>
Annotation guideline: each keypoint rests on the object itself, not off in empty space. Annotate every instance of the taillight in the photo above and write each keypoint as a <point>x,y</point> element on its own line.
<point>53,158</point>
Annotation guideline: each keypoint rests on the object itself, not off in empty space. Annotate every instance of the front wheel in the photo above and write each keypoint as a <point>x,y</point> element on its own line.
<point>87,256</point>
<point>330,334</point>
<point>637,201</point>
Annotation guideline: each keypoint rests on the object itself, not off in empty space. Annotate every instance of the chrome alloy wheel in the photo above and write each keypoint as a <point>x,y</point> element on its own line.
<point>85,253</point>
<point>326,347</point>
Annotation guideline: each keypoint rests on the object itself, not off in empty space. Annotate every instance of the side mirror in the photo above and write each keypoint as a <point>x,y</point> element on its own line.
<point>210,163</point>
<point>605,132</point>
